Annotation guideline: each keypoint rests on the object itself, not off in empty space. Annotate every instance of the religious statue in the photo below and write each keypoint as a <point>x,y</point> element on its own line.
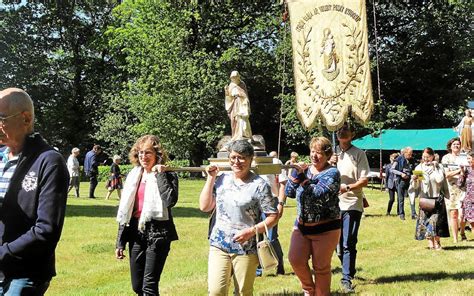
<point>328,50</point>
<point>237,105</point>
<point>465,131</point>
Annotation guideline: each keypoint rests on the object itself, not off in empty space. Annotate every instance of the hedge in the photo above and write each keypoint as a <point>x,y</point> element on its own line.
<point>104,171</point>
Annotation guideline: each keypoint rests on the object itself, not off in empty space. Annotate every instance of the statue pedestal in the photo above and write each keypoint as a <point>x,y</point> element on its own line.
<point>261,161</point>
<point>257,141</point>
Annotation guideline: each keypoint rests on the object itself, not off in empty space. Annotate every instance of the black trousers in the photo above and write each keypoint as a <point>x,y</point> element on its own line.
<point>93,182</point>
<point>146,264</point>
<point>391,199</point>
<point>402,191</point>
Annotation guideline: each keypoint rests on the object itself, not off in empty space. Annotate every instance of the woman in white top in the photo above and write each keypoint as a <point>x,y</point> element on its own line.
<point>453,202</point>
<point>73,168</point>
<point>432,225</point>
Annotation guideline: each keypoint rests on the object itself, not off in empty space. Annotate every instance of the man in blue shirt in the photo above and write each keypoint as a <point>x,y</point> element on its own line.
<point>91,168</point>
<point>32,205</point>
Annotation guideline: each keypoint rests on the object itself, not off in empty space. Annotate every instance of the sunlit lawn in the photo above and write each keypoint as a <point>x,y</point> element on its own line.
<point>389,260</point>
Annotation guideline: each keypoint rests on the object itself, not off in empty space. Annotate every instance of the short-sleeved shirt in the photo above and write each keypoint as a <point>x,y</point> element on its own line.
<point>275,180</point>
<point>353,165</point>
<point>239,206</point>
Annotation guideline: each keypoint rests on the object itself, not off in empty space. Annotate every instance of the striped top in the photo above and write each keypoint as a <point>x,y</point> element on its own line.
<point>7,168</point>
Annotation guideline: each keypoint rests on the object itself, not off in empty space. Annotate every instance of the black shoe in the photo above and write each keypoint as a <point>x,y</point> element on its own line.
<point>347,287</point>
<point>91,196</point>
<point>402,217</point>
<point>281,271</point>
<point>413,217</point>
<point>387,214</point>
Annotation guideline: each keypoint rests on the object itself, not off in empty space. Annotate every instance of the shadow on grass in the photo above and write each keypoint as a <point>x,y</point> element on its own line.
<point>294,293</point>
<point>189,212</point>
<point>283,293</point>
<point>457,248</point>
<point>104,211</point>
<point>100,211</point>
<point>373,216</point>
<point>426,276</point>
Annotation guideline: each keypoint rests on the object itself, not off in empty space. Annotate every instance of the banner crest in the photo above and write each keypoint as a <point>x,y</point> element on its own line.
<point>330,61</point>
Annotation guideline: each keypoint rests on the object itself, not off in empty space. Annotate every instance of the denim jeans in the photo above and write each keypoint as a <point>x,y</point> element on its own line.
<point>23,286</point>
<point>347,243</point>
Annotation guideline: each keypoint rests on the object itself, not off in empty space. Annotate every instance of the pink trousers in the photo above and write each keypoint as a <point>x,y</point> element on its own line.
<point>320,248</point>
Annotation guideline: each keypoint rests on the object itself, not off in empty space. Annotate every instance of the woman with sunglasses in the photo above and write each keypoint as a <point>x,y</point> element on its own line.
<point>144,215</point>
<point>238,199</point>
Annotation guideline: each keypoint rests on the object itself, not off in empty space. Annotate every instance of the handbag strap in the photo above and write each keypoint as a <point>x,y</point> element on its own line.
<point>265,234</point>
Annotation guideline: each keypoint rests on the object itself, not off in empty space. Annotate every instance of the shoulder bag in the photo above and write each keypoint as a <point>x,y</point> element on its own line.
<point>266,254</point>
<point>428,204</point>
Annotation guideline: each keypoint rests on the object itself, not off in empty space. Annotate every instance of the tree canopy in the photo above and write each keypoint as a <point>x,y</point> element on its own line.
<point>107,72</point>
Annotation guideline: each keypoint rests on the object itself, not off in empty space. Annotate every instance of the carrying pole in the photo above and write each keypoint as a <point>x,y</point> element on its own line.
<point>283,77</point>
<point>259,169</point>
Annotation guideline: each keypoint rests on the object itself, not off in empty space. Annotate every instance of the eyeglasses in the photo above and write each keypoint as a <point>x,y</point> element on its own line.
<point>148,152</point>
<point>4,119</point>
<point>237,158</point>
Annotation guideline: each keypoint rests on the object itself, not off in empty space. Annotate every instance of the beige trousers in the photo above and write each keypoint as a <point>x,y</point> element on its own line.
<point>222,266</point>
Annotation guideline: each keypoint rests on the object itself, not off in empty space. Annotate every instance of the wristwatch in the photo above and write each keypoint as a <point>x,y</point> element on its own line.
<point>348,188</point>
<point>281,203</point>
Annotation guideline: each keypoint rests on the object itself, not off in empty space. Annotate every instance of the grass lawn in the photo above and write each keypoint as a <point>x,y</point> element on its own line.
<point>389,260</point>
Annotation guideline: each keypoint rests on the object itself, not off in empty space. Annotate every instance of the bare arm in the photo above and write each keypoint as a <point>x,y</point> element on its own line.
<point>361,183</point>
<point>206,199</point>
<point>281,198</point>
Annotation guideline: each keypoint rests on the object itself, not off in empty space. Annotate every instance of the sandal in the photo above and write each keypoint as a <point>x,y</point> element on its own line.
<point>438,247</point>
<point>463,237</point>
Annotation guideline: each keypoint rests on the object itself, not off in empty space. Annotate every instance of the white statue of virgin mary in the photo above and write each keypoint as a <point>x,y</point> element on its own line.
<point>237,105</point>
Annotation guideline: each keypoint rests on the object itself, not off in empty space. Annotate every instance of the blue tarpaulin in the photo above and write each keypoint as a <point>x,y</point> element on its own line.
<point>418,139</point>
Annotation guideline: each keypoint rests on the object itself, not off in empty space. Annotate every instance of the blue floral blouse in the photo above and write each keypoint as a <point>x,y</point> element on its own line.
<point>316,195</point>
<point>239,206</point>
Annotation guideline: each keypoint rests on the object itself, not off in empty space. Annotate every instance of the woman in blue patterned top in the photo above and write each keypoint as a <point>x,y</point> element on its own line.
<point>317,228</point>
<point>238,198</point>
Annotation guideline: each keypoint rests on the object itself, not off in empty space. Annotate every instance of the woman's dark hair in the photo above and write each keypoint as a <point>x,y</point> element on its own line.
<point>243,147</point>
<point>450,142</point>
<point>162,156</point>
<point>429,151</point>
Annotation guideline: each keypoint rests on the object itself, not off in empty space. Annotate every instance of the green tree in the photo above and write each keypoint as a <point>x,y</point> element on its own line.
<point>177,59</point>
<point>425,60</point>
<point>55,51</point>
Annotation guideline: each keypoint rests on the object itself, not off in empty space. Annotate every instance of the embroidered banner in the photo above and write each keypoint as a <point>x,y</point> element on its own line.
<point>331,61</point>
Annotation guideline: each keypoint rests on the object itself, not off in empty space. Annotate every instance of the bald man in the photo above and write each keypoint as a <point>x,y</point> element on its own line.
<point>33,190</point>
